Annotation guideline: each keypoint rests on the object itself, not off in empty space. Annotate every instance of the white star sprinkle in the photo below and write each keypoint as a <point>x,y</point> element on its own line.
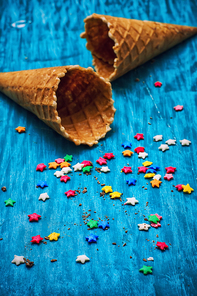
<point>143,226</point>
<point>66,170</point>
<point>150,259</point>
<point>171,142</point>
<point>131,201</point>
<point>43,196</point>
<point>142,155</point>
<point>82,258</point>
<point>78,166</point>
<point>58,174</point>
<point>18,260</point>
<point>157,177</point>
<point>105,169</point>
<point>158,138</point>
<point>185,142</point>
<point>163,147</point>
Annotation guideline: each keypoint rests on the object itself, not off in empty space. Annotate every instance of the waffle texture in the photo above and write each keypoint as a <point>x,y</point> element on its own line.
<point>72,100</point>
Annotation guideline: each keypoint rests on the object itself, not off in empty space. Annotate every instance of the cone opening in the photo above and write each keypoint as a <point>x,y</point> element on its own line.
<point>101,46</point>
<point>84,105</point>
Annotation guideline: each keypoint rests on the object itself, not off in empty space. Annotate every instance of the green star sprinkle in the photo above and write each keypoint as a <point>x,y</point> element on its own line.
<point>87,169</point>
<point>153,219</point>
<point>68,157</point>
<point>9,202</point>
<point>92,224</point>
<point>146,269</point>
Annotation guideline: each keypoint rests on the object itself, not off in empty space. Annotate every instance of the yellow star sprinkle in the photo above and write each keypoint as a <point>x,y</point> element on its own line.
<point>53,165</point>
<point>65,164</point>
<point>148,176</point>
<point>20,129</point>
<point>53,236</point>
<point>115,194</point>
<point>187,188</point>
<point>127,153</point>
<point>107,189</point>
<point>147,163</point>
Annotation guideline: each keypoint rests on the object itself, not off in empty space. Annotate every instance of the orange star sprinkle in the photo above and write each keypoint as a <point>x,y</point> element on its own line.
<point>53,165</point>
<point>155,183</point>
<point>127,153</point>
<point>65,164</point>
<point>20,129</point>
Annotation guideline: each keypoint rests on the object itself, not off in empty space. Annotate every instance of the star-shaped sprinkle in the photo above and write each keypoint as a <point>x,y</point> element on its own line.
<point>92,224</point>
<point>139,137</point>
<point>64,164</point>
<point>154,167</point>
<point>155,183</point>
<point>163,147</point>
<point>131,181</point>
<point>70,193</point>
<point>36,239</point>
<point>168,177</point>
<point>18,260</point>
<point>157,84</point>
<point>158,216</point>
<point>92,238</point>
<point>171,142</point>
<point>155,225</point>
<point>147,163</point>
<point>42,184</point>
<point>187,189</point>
<point>115,194</point>
<point>126,145</point>
<point>185,142</point>
<point>157,177</point>
<point>82,259</point>
<point>146,269</point>
<point>161,245</point>
<point>150,259</point>
<point>68,157</point>
<point>78,166</point>
<point>151,171</point>
<point>86,163</point>
<point>64,179</point>
<point>53,165</point>
<point>127,153</point>
<point>148,176</point>
<point>34,217</point>
<point>153,218</point>
<point>131,201</point>
<point>108,156</point>
<point>87,169</point>
<point>43,196</point>
<point>143,226</point>
<point>179,187</point>
<point>170,169</point>
<point>40,167</point>
<point>142,155</point>
<point>139,149</point>
<point>142,169</point>
<point>53,236</point>
<point>107,189</point>
<point>20,129</point>
<point>101,161</point>
<point>158,138</point>
<point>59,174</point>
<point>9,202</point>
<point>178,108</point>
<point>59,160</point>
<point>126,170</point>
<point>104,225</point>
<point>66,170</point>
<point>105,169</point>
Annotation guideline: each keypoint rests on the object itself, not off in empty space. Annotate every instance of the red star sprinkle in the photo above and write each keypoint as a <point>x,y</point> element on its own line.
<point>158,216</point>
<point>101,161</point>
<point>41,167</point>
<point>64,178</point>
<point>168,177</point>
<point>59,160</point>
<point>36,239</point>
<point>142,169</point>
<point>179,187</point>
<point>162,246</point>
<point>158,84</point>
<point>178,108</point>
<point>86,163</point>
<point>155,225</point>
<point>34,217</point>
<point>139,149</point>
<point>109,156</point>
<point>170,170</point>
<point>139,137</point>
<point>126,170</point>
<point>70,193</point>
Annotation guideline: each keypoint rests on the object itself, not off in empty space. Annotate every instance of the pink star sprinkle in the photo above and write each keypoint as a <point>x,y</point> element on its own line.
<point>41,167</point>
<point>168,177</point>
<point>59,160</point>
<point>109,156</point>
<point>155,225</point>
<point>36,239</point>
<point>178,108</point>
<point>64,178</point>
<point>179,187</point>
<point>139,137</point>
<point>162,246</point>
<point>70,193</point>
<point>101,161</point>
<point>158,84</point>
<point>126,170</point>
<point>158,216</point>
<point>142,169</point>
<point>34,217</point>
<point>86,163</point>
<point>170,170</point>
<point>139,149</point>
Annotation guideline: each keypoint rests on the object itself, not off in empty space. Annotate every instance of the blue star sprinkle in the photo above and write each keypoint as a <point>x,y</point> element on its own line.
<point>104,225</point>
<point>151,171</point>
<point>92,238</point>
<point>131,181</point>
<point>42,184</point>
<point>126,144</point>
<point>154,167</point>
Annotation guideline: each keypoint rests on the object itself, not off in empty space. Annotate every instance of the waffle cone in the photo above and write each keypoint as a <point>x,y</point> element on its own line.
<point>119,45</point>
<point>74,101</point>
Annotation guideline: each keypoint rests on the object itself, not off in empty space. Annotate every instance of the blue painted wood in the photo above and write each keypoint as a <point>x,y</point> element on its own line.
<point>51,38</point>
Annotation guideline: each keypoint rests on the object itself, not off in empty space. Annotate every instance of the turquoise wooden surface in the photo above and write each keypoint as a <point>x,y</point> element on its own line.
<point>51,38</point>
